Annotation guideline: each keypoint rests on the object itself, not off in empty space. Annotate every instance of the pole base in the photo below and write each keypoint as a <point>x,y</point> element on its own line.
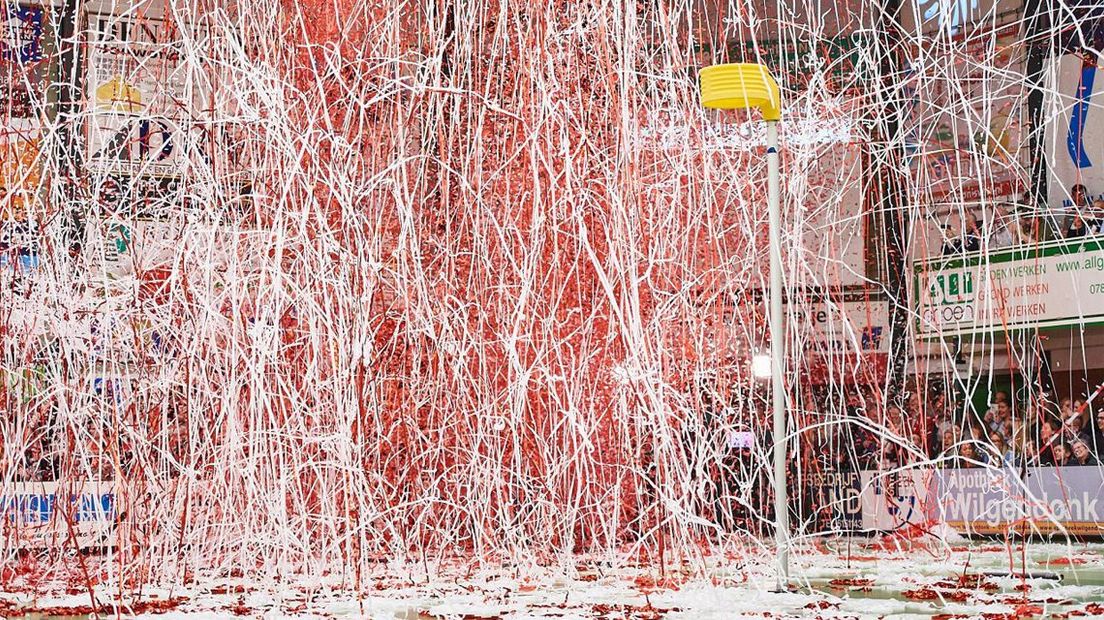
<point>784,588</point>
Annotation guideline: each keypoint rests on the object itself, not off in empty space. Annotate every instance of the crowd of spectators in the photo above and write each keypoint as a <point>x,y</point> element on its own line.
<point>1008,227</point>
<point>874,437</point>
<point>935,427</point>
<point>97,443</point>
<point>1035,433</point>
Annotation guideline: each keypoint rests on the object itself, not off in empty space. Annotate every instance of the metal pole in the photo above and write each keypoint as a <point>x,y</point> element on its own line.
<point>891,215</point>
<point>778,357</point>
<point>66,92</point>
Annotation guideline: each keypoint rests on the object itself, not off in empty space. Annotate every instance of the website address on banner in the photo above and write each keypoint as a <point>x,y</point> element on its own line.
<point>1027,526</point>
<point>1092,263</point>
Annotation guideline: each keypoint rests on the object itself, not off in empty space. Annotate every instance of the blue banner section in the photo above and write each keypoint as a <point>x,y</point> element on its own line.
<point>23,27</point>
<point>1075,138</point>
<point>41,508</point>
<point>38,514</point>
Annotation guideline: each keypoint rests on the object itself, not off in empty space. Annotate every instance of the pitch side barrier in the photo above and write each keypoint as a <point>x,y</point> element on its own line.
<point>38,515</point>
<point>978,501</point>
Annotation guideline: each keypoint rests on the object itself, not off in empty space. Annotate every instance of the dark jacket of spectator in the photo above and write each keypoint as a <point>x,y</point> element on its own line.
<point>971,235</point>
<point>1046,455</point>
<point>1096,438</point>
<point>1077,228</point>
<point>1079,196</point>
<point>952,247</point>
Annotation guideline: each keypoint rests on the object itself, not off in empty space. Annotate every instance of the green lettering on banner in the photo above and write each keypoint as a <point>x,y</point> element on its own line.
<point>121,238</point>
<point>935,291</point>
<point>1026,287</point>
<point>951,288</point>
<point>843,58</point>
<point>961,284</point>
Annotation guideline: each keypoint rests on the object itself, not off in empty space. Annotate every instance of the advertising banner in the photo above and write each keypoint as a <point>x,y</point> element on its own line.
<point>24,72</point>
<point>963,131</point>
<point>1049,285</point>
<point>1074,113</point>
<point>144,102</point>
<point>967,498</point>
<point>895,499</point>
<point>1040,499</point>
<point>845,338</point>
<point>1067,495</point>
<point>129,247</point>
<point>850,326</point>
<point>934,17</point>
<point>148,197</point>
<point>136,245</point>
<point>48,514</point>
<point>833,222</point>
<point>983,501</point>
<point>21,42</point>
<point>835,500</point>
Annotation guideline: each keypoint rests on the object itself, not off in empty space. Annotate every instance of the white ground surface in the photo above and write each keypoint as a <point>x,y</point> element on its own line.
<point>917,582</point>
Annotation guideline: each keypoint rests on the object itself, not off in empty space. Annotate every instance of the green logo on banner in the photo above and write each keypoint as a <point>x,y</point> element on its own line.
<point>121,238</point>
<point>952,288</point>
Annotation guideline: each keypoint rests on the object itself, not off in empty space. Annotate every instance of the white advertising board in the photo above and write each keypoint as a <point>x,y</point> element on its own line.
<point>144,98</point>
<point>1049,285</point>
<point>1074,113</point>
<point>849,326</point>
<point>1039,499</point>
<point>892,500</point>
<point>49,514</point>
<point>131,246</point>
<point>963,136</point>
<point>826,200</point>
<point>831,217</point>
<point>836,500</point>
<point>931,17</point>
<point>985,501</point>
